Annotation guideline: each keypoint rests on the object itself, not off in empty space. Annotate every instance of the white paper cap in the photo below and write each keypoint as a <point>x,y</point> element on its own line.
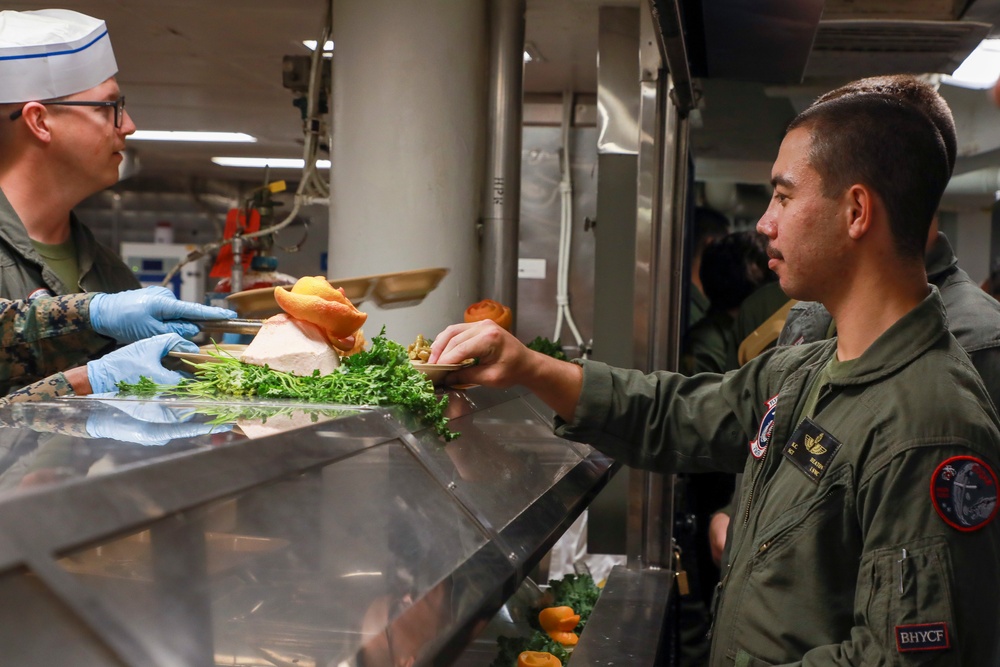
<point>52,53</point>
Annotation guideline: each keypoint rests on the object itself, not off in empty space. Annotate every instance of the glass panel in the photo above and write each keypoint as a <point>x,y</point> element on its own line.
<point>37,629</point>
<point>505,459</point>
<point>289,573</point>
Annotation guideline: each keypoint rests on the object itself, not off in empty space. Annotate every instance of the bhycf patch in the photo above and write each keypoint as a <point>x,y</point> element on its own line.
<point>922,637</point>
<point>964,492</point>
<point>811,449</point>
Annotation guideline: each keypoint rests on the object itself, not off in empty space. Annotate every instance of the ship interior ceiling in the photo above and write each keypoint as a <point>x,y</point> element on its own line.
<point>191,65</point>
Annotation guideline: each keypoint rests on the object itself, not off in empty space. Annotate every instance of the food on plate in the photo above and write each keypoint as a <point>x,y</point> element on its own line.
<point>359,344</point>
<point>291,345</point>
<point>488,309</point>
<point>382,375</point>
<point>419,350</point>
<point>313,299</point>
<point>537,659</point>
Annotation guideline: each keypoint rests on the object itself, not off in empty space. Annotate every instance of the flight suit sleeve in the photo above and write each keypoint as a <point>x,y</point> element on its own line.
<point>45,336</point>
<point>667,422</point>
<point>927,590</point>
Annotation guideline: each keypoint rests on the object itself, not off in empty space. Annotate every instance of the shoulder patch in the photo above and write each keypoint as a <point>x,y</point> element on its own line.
<point>758,446</point>
<point>964,492</point>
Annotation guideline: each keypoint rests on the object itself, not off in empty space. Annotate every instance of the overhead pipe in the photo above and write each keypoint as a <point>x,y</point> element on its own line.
<point>979,182</point>
<point>502,194</point>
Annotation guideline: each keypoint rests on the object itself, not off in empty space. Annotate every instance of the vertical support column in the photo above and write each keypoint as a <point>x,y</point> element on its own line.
<point>502,194</point>
<point>407,150</point>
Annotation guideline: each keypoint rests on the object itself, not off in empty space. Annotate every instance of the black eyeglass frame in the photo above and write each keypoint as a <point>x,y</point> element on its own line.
<point>118,105</point>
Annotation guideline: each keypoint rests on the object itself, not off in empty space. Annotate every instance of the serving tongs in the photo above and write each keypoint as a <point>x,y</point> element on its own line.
<point>235,326</point>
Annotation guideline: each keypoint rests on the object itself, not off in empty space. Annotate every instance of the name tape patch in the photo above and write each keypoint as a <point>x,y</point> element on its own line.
<point>964,492</point>
<point>922,637</point>
<point>811,449</point>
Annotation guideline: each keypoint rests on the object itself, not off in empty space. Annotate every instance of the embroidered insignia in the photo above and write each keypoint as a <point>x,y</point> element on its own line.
<point>964,492</point>
<point>39,292</point>
<point>922,637</point>
<point>758,446</point>
<point>811,449</point>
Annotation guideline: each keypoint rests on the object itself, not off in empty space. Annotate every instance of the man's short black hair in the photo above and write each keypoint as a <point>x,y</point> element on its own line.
<point>887,145</point>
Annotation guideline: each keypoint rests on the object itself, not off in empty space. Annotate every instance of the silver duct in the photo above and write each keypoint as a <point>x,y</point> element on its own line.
<point>502,195</point>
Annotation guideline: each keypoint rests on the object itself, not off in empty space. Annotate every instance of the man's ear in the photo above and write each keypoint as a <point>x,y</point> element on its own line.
<point>37,119</point>
<point>859,203</point>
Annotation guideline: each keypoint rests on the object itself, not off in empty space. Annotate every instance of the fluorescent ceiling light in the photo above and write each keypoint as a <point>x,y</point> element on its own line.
<point>532,54</point>
<point>272,162</point>
<point>327,47</point>
<point>981,69</point>
<point>170,135</point>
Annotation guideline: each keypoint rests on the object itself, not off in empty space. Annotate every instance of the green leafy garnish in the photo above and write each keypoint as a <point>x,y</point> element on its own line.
<point>382,375</point>
<point>546,346</point>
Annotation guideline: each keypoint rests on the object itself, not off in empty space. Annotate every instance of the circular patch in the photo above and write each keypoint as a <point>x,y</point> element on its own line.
<point>758,446</point>
<point>964,492</point>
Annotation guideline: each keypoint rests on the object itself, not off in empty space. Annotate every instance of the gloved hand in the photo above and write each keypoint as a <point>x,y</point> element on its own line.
<point>150,311</point>
<point>147,423</point>
<point>132,361</point>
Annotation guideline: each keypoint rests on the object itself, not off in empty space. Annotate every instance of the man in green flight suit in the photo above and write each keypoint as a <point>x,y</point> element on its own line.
<point>866,530</point>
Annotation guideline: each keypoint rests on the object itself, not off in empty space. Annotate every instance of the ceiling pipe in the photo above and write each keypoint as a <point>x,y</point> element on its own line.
<point>502,195</point>
<point>979,182</point>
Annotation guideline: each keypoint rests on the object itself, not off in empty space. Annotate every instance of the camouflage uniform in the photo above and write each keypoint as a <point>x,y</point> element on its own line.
<point>23,272</point>
<point>42,337</point>
<point>840,554</point>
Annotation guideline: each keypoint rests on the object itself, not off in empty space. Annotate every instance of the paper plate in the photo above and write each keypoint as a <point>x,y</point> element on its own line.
<point>436,372</point>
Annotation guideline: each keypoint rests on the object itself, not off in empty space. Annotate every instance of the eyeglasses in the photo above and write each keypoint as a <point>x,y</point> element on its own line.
<point>118,105</point>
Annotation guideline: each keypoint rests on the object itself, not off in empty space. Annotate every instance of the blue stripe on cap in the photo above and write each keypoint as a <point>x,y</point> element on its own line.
<point>57,53</point>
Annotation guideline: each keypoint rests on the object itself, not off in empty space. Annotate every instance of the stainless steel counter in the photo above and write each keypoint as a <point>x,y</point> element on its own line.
<point>200,533</point>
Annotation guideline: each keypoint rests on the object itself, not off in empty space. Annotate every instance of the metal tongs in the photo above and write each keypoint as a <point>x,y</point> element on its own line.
<point>235,326</point>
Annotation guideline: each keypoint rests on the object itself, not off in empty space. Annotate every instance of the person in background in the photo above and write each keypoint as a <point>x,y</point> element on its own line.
<point>709,226</point>
<point>731,269</point>
<point>841,555</point>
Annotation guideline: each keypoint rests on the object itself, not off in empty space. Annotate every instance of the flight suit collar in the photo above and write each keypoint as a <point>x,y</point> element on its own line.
<point>941,260</point>
<point>903,342</point>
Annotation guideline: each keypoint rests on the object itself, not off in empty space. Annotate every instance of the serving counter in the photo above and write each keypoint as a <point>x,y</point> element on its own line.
<point>175,532</point>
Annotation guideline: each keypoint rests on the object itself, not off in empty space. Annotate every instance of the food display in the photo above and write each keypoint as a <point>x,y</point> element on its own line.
<point>419,350</point>
<point>294,357</point>
<point>556,627</point>
<point>488,309</point>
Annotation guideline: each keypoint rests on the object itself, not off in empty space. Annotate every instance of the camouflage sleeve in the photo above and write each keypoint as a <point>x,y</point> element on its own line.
<point>46,336</point>
<point>50,387</point>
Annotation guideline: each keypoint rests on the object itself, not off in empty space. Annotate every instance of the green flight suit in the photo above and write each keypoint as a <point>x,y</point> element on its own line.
<point>42,337</point>
<point>973,315</point>
<point>814,577</point>
<point>710,345</point>
<point>23,272</point>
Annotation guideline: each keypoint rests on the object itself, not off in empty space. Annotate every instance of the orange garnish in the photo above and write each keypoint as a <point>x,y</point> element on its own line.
<point>488,309</point>
<point>558,619</point>
<point>314,300</point>
<point>537,659</point>
<point>565,638</point>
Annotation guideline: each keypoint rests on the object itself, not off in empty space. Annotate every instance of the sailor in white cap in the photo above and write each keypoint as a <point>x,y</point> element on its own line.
<point>63,125</point>
<point>62,129</point>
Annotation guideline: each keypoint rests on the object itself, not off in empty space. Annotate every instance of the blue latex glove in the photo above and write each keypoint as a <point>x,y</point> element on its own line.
<point>150,311</point>
<point>147,423</point>
<point>132,361</point>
